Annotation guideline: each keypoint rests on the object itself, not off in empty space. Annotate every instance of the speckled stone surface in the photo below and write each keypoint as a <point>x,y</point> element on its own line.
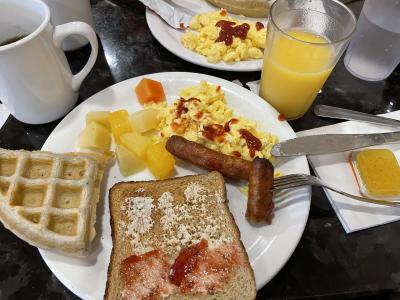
<point>327,264</point>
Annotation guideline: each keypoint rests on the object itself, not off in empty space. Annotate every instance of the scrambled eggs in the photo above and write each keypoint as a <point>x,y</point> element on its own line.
<point>204,33</point>
<point>203,107</point>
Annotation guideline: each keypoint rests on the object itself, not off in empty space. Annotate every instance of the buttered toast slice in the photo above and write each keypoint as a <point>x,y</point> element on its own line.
<point>176,239</point>
<point>50,199</point>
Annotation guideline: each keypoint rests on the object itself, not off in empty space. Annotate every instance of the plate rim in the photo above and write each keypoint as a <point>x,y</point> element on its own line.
<point>196,76</point>
<point>152,18</point>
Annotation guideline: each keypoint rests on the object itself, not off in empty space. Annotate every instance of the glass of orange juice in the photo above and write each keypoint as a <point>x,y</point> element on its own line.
<point>305,40</point>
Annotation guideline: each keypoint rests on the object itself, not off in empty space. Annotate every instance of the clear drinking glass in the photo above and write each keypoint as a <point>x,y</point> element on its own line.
<point>305,40</point>
<point>374,50</point>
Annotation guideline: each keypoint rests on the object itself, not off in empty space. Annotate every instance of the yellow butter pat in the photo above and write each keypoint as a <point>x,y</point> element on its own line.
<point>379,172</point>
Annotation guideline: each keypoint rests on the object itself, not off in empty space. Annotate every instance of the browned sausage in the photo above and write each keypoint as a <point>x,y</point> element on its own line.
<point>201,156</point>
<point>259,203</point>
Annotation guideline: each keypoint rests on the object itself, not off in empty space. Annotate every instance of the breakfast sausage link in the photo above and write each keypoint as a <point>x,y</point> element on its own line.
<point>201,156</point>
<point>259,203</point>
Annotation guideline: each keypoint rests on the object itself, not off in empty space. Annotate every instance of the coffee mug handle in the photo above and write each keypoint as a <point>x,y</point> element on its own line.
<point>81,28</point>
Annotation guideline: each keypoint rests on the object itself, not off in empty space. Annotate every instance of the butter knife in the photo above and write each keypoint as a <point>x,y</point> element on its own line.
<point>175,15</point>
<point>332,143</point>
<point>347,114</point>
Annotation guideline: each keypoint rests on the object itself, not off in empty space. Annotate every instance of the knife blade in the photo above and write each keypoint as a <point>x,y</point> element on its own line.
<point>332,143</point>
<point>175,15</point>
<point>347,114</point>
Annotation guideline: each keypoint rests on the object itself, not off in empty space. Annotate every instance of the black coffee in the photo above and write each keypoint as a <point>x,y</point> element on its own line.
<point>12,40</point>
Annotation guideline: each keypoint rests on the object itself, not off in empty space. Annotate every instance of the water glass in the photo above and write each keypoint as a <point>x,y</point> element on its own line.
<point>374,50</point>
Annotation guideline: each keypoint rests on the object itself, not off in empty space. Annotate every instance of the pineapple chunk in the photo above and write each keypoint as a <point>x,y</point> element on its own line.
<point>119,123</point>
<point>100,117</point>
<point>144,120</point>
<point>128,162</point>
<point>137,143</point>
<point>160,162</point>
<point>94,136</point>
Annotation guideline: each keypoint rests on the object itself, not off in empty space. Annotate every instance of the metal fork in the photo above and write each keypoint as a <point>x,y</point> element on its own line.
<point>296,180</point>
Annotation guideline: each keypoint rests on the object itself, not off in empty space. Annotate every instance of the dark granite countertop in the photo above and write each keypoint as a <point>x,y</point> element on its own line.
<point>328,263</point>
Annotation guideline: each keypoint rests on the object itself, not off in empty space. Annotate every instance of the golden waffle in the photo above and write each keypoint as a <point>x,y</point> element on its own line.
<point>49,200</point>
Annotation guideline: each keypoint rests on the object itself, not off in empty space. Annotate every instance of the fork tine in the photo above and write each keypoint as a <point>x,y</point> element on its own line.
<point>290,176</point>
<point>296,180</point>
<point>289,181</point>
<point>289,185</point>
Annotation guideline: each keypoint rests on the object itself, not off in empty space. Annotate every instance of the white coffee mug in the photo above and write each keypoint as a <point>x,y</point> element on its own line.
<point>36,83</point>
<point>64,11</point>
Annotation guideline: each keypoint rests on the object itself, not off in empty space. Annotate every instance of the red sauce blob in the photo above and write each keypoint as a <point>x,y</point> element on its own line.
<point>259,26</point>
<point>282,117</point>
<point>181,109</point>
<point>186,262</point>
<point>242,30</point>
<point>253,143</point>
<point>213,132</point>
<point>228,31</point>
<point>198,269</point>
<point>227,126</point>
<point>216,132</point>
<point>224,23</point>
<point>144,276</point>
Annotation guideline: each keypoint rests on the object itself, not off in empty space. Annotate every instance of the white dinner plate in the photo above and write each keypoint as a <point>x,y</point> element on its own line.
<point>170,38</point>
<point>268,247</point>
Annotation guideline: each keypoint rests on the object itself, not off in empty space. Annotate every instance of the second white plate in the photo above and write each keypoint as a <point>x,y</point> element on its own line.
<point>170,38</point>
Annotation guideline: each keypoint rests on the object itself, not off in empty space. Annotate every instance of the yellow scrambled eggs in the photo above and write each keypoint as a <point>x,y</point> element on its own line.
<point>204,106</point>
<point>203,33</point>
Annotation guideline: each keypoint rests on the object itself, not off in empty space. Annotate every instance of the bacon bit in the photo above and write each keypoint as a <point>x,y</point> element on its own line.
<point>223,12</point>
<point>219,139</point>
<point>259,26</point>
<point>180,128</point>
<point>282,117</point>
<point>198,115</point>
<point>227,126</point>
<point>218,88</point>
<point>182,25</point>
<point>236,154</point>
<point>253,143</point>
<point>162,134</point>
<point>181,109</point>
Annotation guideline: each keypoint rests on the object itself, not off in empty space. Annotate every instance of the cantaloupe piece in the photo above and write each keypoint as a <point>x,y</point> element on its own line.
<point>149,90</point>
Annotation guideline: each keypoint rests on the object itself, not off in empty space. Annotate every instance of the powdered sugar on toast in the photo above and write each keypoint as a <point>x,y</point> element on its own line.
<point>140,221</point>
<point>180,222</point>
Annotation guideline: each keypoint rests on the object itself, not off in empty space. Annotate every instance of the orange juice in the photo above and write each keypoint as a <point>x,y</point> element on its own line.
<point>294,71</point>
